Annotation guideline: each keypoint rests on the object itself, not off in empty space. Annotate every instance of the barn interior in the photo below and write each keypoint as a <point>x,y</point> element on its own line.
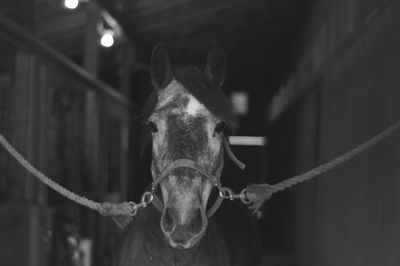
<point>309,81</point>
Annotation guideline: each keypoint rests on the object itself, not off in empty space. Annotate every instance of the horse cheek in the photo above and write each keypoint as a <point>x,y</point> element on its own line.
<point>214,140</point>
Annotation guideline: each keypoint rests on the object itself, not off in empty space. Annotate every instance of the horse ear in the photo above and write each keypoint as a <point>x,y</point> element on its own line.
<point>160,68</point>
<point>216,64</point>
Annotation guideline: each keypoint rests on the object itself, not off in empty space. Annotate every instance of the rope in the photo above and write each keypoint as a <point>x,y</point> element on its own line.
<point>259,193</point>
<point>103,208</point>
<point>256,194</point>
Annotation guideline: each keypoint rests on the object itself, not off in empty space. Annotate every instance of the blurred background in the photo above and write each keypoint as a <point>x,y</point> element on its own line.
<point>308,80</point>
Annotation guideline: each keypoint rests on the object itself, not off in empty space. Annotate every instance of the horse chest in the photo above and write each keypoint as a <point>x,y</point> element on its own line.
<point>144,245</point>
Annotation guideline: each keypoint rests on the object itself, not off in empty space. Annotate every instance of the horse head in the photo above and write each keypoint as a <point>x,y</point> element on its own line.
<point>188,116</point>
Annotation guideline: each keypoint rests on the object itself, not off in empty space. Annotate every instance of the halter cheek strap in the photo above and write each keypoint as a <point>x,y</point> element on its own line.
<point>188,164</point>
<point>214,179</point>
<point>231,155</point>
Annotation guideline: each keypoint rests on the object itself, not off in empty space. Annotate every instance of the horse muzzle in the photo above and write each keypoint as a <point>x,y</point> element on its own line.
<point>183,229</point>
<point>184,220</point>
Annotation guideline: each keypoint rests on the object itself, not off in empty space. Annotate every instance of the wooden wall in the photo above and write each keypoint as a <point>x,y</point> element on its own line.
<point>351,215</point>
<point>43,113</point>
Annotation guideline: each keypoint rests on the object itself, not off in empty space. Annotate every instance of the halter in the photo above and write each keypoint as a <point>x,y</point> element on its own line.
<point>214,179</point>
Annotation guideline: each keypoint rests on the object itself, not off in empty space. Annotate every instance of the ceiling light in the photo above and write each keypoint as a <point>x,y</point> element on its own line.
<point>247,140</point>
<point>71,4</point>
<point>107,40</point>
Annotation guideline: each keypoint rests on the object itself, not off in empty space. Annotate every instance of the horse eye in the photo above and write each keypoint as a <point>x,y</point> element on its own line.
<point>153,127</point>
<point>220,127</point>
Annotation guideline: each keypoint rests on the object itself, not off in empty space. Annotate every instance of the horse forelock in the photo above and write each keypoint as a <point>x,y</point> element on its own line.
<point>176,99</point>
<point>201,87</point>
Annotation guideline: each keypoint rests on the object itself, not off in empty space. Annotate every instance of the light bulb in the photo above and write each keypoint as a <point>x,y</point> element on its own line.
<point>107,40</point>
<point>71,4</point>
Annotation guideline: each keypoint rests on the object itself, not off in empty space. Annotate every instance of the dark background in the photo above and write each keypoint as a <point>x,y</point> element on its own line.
<point>322,77</point>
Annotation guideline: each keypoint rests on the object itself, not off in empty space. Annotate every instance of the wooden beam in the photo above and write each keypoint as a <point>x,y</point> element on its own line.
<point>125,59</point>
<point>65,39</point>
<point>14,33</point>
<point>91,55</point>
<point>153,7</point>
<point>167,20</point>
<point>42,110</point>
<point>59,25</point>
<point>231,18</point>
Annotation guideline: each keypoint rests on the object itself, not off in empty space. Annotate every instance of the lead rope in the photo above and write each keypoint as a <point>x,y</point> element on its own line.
<point>108,209</point>
<point>258,194</point>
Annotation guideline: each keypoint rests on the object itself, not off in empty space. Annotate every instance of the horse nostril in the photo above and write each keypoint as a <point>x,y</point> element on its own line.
<point>186,230</point>
<point>197,222</point>
<point>181,235</point>
<point>168,220</point>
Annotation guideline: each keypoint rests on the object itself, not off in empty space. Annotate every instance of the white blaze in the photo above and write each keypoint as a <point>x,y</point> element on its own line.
<point>194,106</point>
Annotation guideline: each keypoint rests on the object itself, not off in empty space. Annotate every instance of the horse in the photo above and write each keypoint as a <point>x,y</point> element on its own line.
<point>187,117</point>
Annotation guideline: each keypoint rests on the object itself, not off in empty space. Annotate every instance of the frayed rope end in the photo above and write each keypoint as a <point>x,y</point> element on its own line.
<point>120,213</point>
<point>116,209</point>
<point>258,194</point>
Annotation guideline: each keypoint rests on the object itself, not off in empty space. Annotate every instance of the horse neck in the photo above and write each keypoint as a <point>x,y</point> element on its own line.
<point>144,244</point>
<point>155,243</point>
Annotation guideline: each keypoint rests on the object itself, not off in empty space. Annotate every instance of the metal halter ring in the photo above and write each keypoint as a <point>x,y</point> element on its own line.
<point>226,193</point>
<point>147,197</point>
<point>134,208</point>
<point>243,196</point>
